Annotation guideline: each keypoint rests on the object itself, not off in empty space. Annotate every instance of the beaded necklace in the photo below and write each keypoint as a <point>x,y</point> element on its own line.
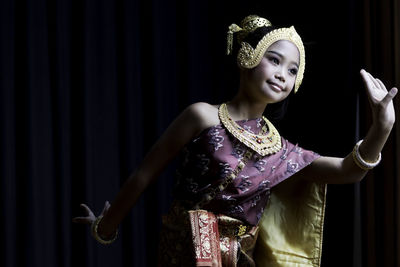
<point>263,144</point>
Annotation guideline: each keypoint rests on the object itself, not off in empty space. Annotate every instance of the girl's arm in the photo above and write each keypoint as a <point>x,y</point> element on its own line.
<point>183,129</point>
<point>345,170</point>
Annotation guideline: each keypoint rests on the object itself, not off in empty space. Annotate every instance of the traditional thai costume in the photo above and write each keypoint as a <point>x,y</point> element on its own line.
<point>293,210</point>
<point>233,205</point>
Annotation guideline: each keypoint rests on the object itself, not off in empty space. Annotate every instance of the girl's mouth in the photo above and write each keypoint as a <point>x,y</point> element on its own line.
<point>275,86</point>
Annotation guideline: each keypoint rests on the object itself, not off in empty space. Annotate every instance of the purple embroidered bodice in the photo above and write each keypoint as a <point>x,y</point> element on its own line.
<point>210,157</point>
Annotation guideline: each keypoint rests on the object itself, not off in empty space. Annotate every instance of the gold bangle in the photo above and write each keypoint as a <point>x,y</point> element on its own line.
<point>365,165</point>
<point>96,235</point>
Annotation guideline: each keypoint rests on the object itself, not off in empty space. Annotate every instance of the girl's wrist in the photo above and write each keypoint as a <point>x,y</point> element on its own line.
<point>104,231</point>
<point>101,236</point>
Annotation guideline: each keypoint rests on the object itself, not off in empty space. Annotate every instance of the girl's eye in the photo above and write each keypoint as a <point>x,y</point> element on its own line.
<point>274,60</point>
<point>293,71</point>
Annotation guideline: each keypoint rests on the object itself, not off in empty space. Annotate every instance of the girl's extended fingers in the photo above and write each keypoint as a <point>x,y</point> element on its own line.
<point>85,220</point>
<point>366,79</point>
<point>389,96</point>
<point>374,81</point>
<point>382,86</point>
<point>367,83</point>
<point>106,207</point>
<point>88,210</point>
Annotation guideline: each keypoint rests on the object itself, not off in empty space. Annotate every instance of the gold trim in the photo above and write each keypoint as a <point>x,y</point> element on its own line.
<point>262,144</point>
<point>250,24</point>
<point>363,164</point>
<point>95,234</point>
<point>232,176</point>
<point>232,29</point>
<point>241,230</point>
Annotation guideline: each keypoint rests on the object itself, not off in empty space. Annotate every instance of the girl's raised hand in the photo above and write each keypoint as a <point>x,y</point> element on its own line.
<point>380,100</point>
<point>90,217</point>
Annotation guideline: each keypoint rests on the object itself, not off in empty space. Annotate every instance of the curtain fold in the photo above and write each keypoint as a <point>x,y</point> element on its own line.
<point>396,33</point>
<point>381,209</point>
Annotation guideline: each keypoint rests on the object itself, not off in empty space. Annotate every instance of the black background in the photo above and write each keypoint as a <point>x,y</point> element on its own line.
<point>88,86</point>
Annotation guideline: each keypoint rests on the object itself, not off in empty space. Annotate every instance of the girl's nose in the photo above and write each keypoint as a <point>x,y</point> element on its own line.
<point>279,75</point>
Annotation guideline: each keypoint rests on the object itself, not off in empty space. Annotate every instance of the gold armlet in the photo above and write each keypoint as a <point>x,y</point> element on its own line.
<point>365,165</point>
<point>96,235</point>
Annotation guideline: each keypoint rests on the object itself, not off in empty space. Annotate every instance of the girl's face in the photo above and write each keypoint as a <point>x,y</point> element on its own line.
<point>274,78</point>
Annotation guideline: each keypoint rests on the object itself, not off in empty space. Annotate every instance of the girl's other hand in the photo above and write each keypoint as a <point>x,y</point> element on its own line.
<point>380,100</point>
<point>90,217</point>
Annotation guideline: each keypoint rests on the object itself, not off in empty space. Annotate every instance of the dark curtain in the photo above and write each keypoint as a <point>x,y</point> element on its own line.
<point>381,211</point>
<point>86,87</point>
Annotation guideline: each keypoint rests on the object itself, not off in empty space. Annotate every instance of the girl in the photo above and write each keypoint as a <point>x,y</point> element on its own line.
<point>232,157</point>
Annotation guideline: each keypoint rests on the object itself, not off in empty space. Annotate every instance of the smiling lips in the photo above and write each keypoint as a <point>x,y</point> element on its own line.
<point>275,86</point>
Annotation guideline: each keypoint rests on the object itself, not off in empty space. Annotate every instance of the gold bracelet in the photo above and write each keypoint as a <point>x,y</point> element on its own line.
<point>365,165</point>
<point>96,235</point>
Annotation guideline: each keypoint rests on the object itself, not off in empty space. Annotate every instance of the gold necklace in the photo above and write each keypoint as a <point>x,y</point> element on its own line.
<point>263,144</point>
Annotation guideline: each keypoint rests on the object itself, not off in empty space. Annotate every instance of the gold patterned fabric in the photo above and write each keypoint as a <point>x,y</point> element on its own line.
<point>291,227</point>
<point>289,233</point>
<point>201,238</point>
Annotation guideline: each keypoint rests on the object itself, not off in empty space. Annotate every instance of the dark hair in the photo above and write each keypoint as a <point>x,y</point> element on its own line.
<point>277,111</point>
<point>254,37</point>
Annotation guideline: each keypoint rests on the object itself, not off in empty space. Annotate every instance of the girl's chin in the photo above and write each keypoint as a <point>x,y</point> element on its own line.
<point>271,98</point>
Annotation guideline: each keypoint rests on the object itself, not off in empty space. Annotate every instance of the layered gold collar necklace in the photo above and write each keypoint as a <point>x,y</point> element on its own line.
<point>263,144</point>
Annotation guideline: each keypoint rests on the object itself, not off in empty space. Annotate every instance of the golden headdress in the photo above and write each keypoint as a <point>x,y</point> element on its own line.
<point>249,57</point>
